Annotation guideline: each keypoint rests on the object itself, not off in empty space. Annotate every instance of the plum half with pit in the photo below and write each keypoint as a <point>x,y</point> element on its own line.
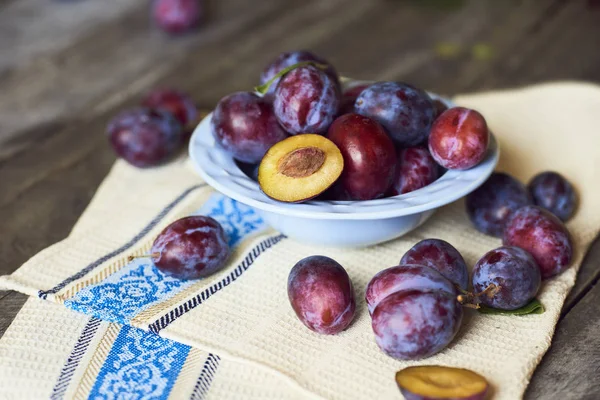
<point>244,124</point>
<point>405,277</point>
<point>552,191</point>
<point>512,272</point>
<point>321,294</point>
<point>290,58</point>
<point>369,157</point>
<point>415,169</point>
<point>414,324</point>
<point>191,248</point>
<point>492,204</point>
<point>459,138</point>
<point>442,257</point>
<point>300,168</point>
<point>405,111</point>
<point>543,235</point>
<point>306,100</point>
<point>433,382</point>
<point>145,137</point>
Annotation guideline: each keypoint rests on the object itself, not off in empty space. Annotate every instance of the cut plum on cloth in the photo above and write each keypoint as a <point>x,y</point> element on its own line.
<point>241,314</point>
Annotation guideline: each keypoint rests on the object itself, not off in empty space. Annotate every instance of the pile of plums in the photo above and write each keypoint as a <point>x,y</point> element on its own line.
<point>306,137</point>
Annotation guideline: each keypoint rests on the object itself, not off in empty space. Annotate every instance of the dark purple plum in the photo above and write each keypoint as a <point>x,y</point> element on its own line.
<point>190,248</point>
<point>177,103</point>
<point>442,257</point>
<point>543,235</point>
<point>349,98</point>
<point>369,157</point>
<point>492,204</point>
<point>415,169</point>
<point>177,16</point>
<point>552,191</point>
<point>405,277</point>
<point>320,292</point>
<point>459,138</point>
<point>440,107</point>
<point>513,272</point>
<point>405,111</point>
<point>288,59</point>
<point>144,137</point>
<point>245,125</point>
<point>414,324</point>
<point>306,100</point>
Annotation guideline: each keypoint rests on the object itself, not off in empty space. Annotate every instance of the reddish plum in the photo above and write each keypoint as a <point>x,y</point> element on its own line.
<point>145,137</point>
<point>306,100</point>
<point>459,138</point>
<point>543,235</point>
<point>415,169</point>
<point>492,204</point>
<point>244,125</point>
<point>177,103</point>
<point>191,248</point>
<point>405,277</point>
<point>288,59</point>
<point>349,98</point>
<point>177,16</point>
<point>320,292</point>
<point>513,272</point>
<point>552,191</point>
<point>442,257</point>
<point>413,324</point>
<point>405,111</point>
<point>369,156</point>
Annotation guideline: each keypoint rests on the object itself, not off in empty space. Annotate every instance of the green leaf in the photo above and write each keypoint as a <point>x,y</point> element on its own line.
<point>264,88</point>
<point>534,307</point>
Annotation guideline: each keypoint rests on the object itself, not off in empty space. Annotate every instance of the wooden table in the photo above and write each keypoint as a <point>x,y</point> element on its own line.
<point>67,67</point>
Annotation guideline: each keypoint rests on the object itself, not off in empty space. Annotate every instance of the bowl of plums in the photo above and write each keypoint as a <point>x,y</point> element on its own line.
<point>337,162</point>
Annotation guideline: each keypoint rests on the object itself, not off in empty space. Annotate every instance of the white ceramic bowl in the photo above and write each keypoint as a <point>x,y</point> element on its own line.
<point>335,223</point>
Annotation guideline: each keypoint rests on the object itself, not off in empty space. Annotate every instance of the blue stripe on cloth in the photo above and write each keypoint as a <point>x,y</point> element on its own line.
<point>44,294</point>
<point>81,346</point>
<point>140,365</point>
<point>195,301</point>
<point>206,376</point>
<point>140,284</point>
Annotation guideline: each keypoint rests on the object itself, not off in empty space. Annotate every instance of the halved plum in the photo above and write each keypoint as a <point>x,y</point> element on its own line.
<point>300,168</point>
<point>441,383</point>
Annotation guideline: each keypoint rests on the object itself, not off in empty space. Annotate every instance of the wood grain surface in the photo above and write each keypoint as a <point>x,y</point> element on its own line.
<point>67,66</point>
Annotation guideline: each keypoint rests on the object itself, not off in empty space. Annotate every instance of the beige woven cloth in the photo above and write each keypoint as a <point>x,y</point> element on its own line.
<point>250,323</point>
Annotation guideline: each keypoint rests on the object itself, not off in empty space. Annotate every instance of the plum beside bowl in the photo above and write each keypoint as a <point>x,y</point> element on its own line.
<point>335,223</point>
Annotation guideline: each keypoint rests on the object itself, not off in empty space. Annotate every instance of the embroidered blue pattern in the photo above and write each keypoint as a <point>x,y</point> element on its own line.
<point>140,285</point>
<point>140,365</point>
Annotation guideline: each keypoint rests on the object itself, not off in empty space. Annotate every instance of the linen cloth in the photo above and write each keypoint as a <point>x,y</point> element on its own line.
<point>240,321</point>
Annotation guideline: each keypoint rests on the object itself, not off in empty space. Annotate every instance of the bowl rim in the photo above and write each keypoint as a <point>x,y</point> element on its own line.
<point>220,171</point>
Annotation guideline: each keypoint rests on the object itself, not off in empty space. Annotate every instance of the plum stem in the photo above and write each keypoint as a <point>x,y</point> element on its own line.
<point>151,255</point>
<point>264,88</point>
<point>471,300</point>
<point>489,291</point>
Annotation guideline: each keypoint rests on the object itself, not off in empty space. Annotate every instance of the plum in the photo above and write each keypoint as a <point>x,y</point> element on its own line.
<point>174,101</point>
<point>190,248</point>
<point>144,137</point>
<point>414,324</point>
<point>441,256</point>
<point>288,59</point>
<point>349,98</point>
<point>369,157</point>
<point>543,235</point>
<point>552,191</point>
<point>492,204</point>
<point>177,16</point>
<point>405,111</point>
<point>320,292</point>
<point>415,169</point>
<point>245,125</point>
<point>405,277</point>
<point>459,138</point>
<point>306,100</point>
<point>440,107</point>
<point>514,274</point>
<point>441,383</point>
